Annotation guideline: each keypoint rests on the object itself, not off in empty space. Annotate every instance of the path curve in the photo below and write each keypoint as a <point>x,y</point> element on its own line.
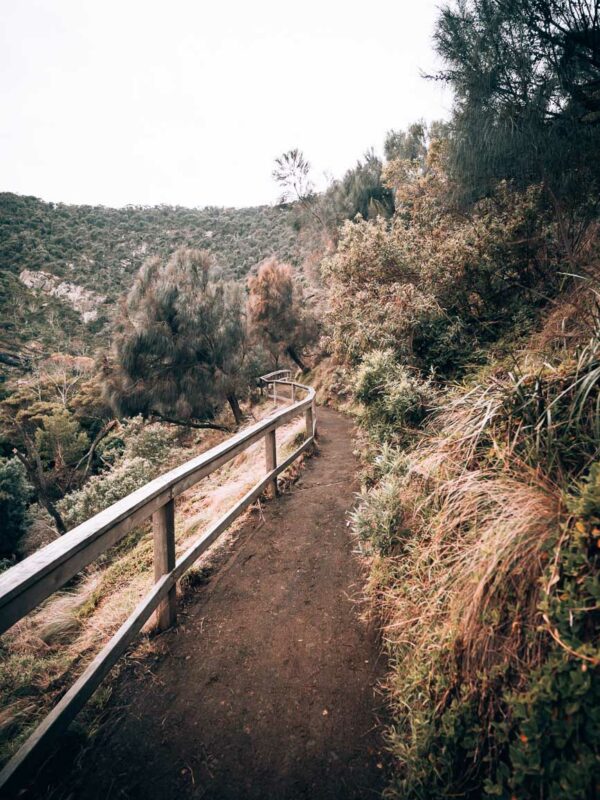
<point>267,688</point>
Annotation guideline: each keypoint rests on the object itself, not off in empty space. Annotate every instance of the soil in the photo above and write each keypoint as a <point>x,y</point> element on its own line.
<point>267,686</point>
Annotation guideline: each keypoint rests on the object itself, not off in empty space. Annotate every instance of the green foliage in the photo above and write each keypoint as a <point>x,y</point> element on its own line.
<point>181,347</point>
<point>136,453</point>
<point>496,676</point>
<point>525,76</point>
<point>412,144</point>
<point>135,438</point>
<point>102,249</point>
<point>101,491</point>
<point>393,396</point>
<point>378,519</point>
<point>360,191</point>
<point>433,283</point>
<point>550,415</point>
<point>279,318</point>
<point>15,494</point>
<point>587,504</point>
<point>60,441</point>
<point>554,738</point>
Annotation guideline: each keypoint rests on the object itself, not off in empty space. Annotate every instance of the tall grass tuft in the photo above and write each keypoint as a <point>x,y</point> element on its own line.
<point>486,534</point>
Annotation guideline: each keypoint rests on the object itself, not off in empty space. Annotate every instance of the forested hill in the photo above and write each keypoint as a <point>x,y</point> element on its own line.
<point>100,249</point>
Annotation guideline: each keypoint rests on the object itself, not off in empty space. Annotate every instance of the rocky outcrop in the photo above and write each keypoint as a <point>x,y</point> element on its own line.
<point>84,301</point>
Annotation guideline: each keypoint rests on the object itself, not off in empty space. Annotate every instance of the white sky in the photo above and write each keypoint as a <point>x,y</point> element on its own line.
<point>188,102</point>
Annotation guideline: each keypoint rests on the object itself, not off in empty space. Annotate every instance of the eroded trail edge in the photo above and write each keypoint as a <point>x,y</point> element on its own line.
<point>267,688</point>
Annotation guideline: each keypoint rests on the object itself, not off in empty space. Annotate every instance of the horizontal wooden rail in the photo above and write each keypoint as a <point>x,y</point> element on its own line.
<point>27,584</point>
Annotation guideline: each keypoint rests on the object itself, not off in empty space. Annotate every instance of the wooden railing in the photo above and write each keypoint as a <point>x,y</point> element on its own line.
<point>33,580</point>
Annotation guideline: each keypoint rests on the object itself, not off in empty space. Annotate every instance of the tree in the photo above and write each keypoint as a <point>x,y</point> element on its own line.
<point>433,281</point>
<point>361,191</point>
<point>277,314</point>
<point>181,348</point>
<point>53,421</point>
<point>15,493</point>
<point>60,440</point>
<point>410,144</point>
<point>526,77</point>
<point>414,143</point>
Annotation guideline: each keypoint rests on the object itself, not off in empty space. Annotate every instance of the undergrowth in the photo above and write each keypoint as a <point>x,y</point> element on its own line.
<point>43,654</point>
<point>484,532</point>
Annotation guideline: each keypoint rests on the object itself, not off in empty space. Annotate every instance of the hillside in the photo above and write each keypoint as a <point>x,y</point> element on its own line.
<point>100,249</point>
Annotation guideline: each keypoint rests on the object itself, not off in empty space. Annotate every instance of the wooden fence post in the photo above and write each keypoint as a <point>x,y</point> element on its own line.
<point>271,461</point>
<point>163,524</point>
<point>274,392</point>
<point>293,393</point>
<point>308,418</point>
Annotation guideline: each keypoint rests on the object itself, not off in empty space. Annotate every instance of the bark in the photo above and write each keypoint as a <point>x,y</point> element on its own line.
<point>291,351</point>
<point>35,473</point>
<point>90,453</point>
<point>186,423</point>
<point>235,408</point>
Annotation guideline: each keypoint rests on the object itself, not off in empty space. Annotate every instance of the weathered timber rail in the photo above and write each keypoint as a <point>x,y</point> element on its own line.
<point>29,583</point>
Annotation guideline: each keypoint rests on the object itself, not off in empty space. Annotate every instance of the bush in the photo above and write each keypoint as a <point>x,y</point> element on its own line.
<point>377,521</point>
<point>60,440</point>
<point>587,504</point>
<point>15,493</point>
<point>136,453</point>
<point>135,438</point>
<point>491,610</point>
<point>394,397</point>
<point>103,490</point>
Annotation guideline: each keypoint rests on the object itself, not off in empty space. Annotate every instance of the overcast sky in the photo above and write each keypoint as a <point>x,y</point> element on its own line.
<point>188,102</point>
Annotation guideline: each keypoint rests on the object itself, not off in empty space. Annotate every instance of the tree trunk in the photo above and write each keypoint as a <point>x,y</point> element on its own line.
<point>235,407</point>
<point>187,423</point>
<point>291,351</point>
<point>90,453</point>
<point>35,473</point>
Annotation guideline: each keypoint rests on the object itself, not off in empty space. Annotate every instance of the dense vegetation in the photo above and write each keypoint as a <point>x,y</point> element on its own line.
<point>102,249</point>
<point>467,332</point>
<point>186,343</point>
<point>460,279</point>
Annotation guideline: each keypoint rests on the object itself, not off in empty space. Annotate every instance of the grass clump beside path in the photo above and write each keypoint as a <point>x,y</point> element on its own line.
<point>485,543</point>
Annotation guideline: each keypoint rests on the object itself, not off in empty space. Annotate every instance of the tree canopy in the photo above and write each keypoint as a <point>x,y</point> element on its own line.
<point>181,348</point>
<point>277,312</point>
<point>526,77</point>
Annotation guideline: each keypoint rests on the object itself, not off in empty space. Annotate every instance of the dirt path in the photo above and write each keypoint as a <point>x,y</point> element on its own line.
<point>267,687</point>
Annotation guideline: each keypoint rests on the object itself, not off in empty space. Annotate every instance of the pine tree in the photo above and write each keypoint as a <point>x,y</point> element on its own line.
<point>277,312</point>
<point>181,349</point>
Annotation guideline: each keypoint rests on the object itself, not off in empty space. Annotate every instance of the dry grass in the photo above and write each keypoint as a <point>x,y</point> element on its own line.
<point>461,594</point>
<point>44,653</point>
<point>330,382</point>
<point>572,320</point>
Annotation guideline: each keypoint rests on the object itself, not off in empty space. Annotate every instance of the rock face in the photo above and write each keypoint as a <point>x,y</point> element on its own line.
<point>84,301</point>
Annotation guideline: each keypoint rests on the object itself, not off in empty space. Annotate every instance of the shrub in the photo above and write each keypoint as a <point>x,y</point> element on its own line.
<point>103,490</point>
<point>377,520</point>
<point>491,610</point>
<point>135,453</point>
<point>587,504</point>
<point>60,440</point>
<point>135,438</point>
<point>394,397</point>
<point>15,493</point>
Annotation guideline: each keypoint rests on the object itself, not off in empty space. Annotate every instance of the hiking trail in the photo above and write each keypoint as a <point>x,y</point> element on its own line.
<point>267,686</point>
